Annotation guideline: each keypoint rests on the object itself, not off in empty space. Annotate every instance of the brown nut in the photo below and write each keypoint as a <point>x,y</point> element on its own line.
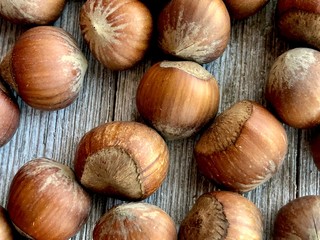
<point>298,219</point>
<point>177,98</point>
<point>194,30</point>
<point>118,32</point>
<point>6,228</point>
<point>243,148</point>
<point>240,9</point>
<point>222,215</point>
<point>31,11</point>
<point>126,160</point>
<point>132,221</point>
<point>293,87</point>
<point>9,115</point>
<point>45,67</point>
<point>298,21</point>
<point>45,201</point>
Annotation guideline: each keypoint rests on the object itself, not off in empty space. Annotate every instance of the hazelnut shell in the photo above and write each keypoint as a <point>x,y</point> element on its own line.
<point>239,9</point>
<point>298,21</point>
<point>141,221</point>
<point>298,219</point>
<point>293,87</point>
<point>243,148</point>
<point>118,32</point>
<point>9,115</point>
<point>177,98</point>
<point>222,215</point>
<point>37,12</point>
<point>45,67</point>
<point>194,30</point>
<point>45,202</point>
<point>126,160</point>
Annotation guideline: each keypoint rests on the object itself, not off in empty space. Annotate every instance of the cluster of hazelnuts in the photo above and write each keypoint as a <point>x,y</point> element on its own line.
<point>243,147</point>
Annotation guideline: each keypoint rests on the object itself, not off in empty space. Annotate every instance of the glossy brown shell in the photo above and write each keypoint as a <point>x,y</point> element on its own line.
<point>178,98</point>
<point>127,160</point>
<point>243,148</point>
<point>298,219</point>
<point>45,202</point>
<point>222,215</point>
<point>118,32</point>
<point>45,67</point>
<point>132,221</point>
<point>31,11</point>
<point>9,115</point>
<point>194,30</point>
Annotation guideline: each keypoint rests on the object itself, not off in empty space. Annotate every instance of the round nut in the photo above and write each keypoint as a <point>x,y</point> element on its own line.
<point>31,11</point>
<point>243,148</point>
<point>222,215</point>
<point>240,9</point>
<point>298,219</point>
<point>293,87</point>
<point>45,202</point>
<point>117,32</point>
<point>45,67</point>
<point>177,98</point>
<point>141,221</point>
<point>194,30</point>
<point>126,160</point>
<point>298,21</point>
<point>9,115</point>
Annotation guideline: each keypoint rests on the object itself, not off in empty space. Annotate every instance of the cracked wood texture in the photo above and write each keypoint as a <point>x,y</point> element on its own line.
<point>109,95</point>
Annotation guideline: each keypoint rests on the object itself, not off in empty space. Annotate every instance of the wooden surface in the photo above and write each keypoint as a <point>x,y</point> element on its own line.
<point>241,72</point>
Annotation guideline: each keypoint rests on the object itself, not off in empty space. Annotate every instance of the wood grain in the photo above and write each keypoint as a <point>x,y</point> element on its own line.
<point>108,95</point>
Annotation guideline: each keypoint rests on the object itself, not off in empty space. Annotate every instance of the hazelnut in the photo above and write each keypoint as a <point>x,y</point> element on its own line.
<point>6,228</point>
<point>118,32</point>
<point>141,221</point>
<point>31,11</point>
<point>45,67</point>
<point>243,148</point>
<point>194,30</point>
<point>222,215</point>
<point>239,9</point>
<point>293,87</point>
<point>45,201</point>
<point>177,98</point>
<point>298,21</point>
<point>9,115</point>
<point>298,219</point>
<point>126,160</point>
